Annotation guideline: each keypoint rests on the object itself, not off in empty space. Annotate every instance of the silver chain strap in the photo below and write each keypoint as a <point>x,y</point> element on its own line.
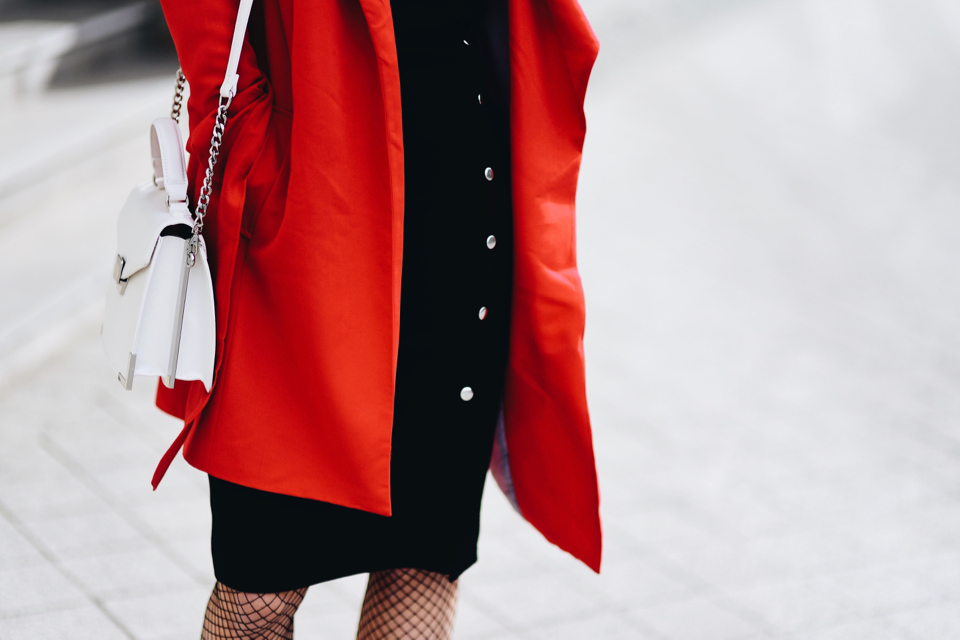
<point>203,201</point>
<point>178,96</point>
<point>219,126</point>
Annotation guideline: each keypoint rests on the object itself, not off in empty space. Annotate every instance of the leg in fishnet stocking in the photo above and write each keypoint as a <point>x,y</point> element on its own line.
<point>250,616</point>
<point>409,604</point>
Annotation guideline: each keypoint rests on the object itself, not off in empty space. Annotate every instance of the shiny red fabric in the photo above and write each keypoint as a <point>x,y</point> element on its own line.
<point>306,242</point>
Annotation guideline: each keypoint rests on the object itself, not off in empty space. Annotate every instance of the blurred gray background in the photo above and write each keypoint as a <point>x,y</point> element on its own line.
<point>768,232</point>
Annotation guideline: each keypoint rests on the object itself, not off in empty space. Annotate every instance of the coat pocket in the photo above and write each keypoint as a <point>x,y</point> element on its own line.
<point>268,179</point>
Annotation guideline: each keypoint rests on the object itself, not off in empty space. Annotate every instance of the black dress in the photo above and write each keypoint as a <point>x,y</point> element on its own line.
<point>454,329</point>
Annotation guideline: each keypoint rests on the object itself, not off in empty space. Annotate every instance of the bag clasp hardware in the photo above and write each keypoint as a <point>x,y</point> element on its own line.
<point>118,273</point>
<point>127,380</point>
<point>177,206</point>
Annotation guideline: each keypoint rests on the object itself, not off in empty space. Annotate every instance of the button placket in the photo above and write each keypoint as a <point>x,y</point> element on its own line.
<point>488,284</point>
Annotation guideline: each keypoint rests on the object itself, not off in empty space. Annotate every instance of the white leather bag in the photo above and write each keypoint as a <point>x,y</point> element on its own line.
<point>160,318</point>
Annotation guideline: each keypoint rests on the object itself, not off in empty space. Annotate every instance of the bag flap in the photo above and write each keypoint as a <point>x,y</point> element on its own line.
<point>154,206</point>
<point>142,219</point>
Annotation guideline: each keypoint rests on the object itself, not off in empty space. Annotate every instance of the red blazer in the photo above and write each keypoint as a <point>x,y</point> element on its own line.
<point>306,243</point>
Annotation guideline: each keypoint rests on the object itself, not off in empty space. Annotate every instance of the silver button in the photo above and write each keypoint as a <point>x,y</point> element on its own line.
<point>483,313</point>
<point>480,98</point>
<point>466,43</point>
<point>466,394</point>
<point>491,242</point>
<point>488,173</point>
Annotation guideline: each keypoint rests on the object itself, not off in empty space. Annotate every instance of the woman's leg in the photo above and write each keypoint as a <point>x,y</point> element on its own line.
<point>241,615</point>
<point>409,604</point>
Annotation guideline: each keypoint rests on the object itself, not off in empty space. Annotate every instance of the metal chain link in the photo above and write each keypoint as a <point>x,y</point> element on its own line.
<point>219,125</point>
<point>217,139</point>
<point>178,96</point>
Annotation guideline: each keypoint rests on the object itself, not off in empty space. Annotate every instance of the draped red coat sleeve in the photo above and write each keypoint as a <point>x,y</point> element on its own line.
<point>306,243</point>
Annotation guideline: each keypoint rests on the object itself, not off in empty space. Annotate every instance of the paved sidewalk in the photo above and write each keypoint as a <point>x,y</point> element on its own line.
<point>768,231</point>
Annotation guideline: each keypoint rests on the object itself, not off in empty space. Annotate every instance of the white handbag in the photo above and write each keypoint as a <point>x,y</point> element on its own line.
<point>160,318</point>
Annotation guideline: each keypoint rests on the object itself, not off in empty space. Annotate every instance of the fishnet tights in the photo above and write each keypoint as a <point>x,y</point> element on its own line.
<point>408,604</point>
<point>250,616</point>
<point>401,604</point>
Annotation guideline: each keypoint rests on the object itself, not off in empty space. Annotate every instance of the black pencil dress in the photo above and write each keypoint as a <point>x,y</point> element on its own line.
<point>454,329</point>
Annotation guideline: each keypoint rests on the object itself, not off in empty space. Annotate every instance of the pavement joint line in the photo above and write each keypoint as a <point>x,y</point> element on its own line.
<point>50,327</point>
<point>756,618</point>
<point>62,304</point>
<point>71,155</point>
<point>131,422</point>
<point>480,603</point>
<point>47,344</point>
<point>718,597</point>
<point>48,444</point>
<point>37,611</point>
<point>51,558</point>
<point>647,629</point>
<point>696,583</point>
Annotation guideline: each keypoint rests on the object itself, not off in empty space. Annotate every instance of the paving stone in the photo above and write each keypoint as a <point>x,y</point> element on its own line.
<point>610,626</point>
<point>128,573</point>
<point>84,535</point>
<point>504,555</point>
<point>25,461</point>
<point>694,619</point>
<point>735,566</point>
<point>335,624</point>
<point>526,601</point>
<point>36,589</point>
<point>505,635</point>
<point>810,553</point>
<point>194,553</point>
<point>676,530</point>
<point>187,518</point>
<point>939,621</point>
<point>473,622</point>
<point>57,494</point>
<point>131,485</point>
<point>102,448</point>
<point>878,590</point>
<point>630,583</point>
<point>81,623</point>
<point>163,615</point>
<point>863,630</point>
<point>332,609</point>
<point>796,607</point>
<point>332,596</point>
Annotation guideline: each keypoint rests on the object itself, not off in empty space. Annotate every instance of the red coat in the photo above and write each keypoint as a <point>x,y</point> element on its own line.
<point>306,242</point>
